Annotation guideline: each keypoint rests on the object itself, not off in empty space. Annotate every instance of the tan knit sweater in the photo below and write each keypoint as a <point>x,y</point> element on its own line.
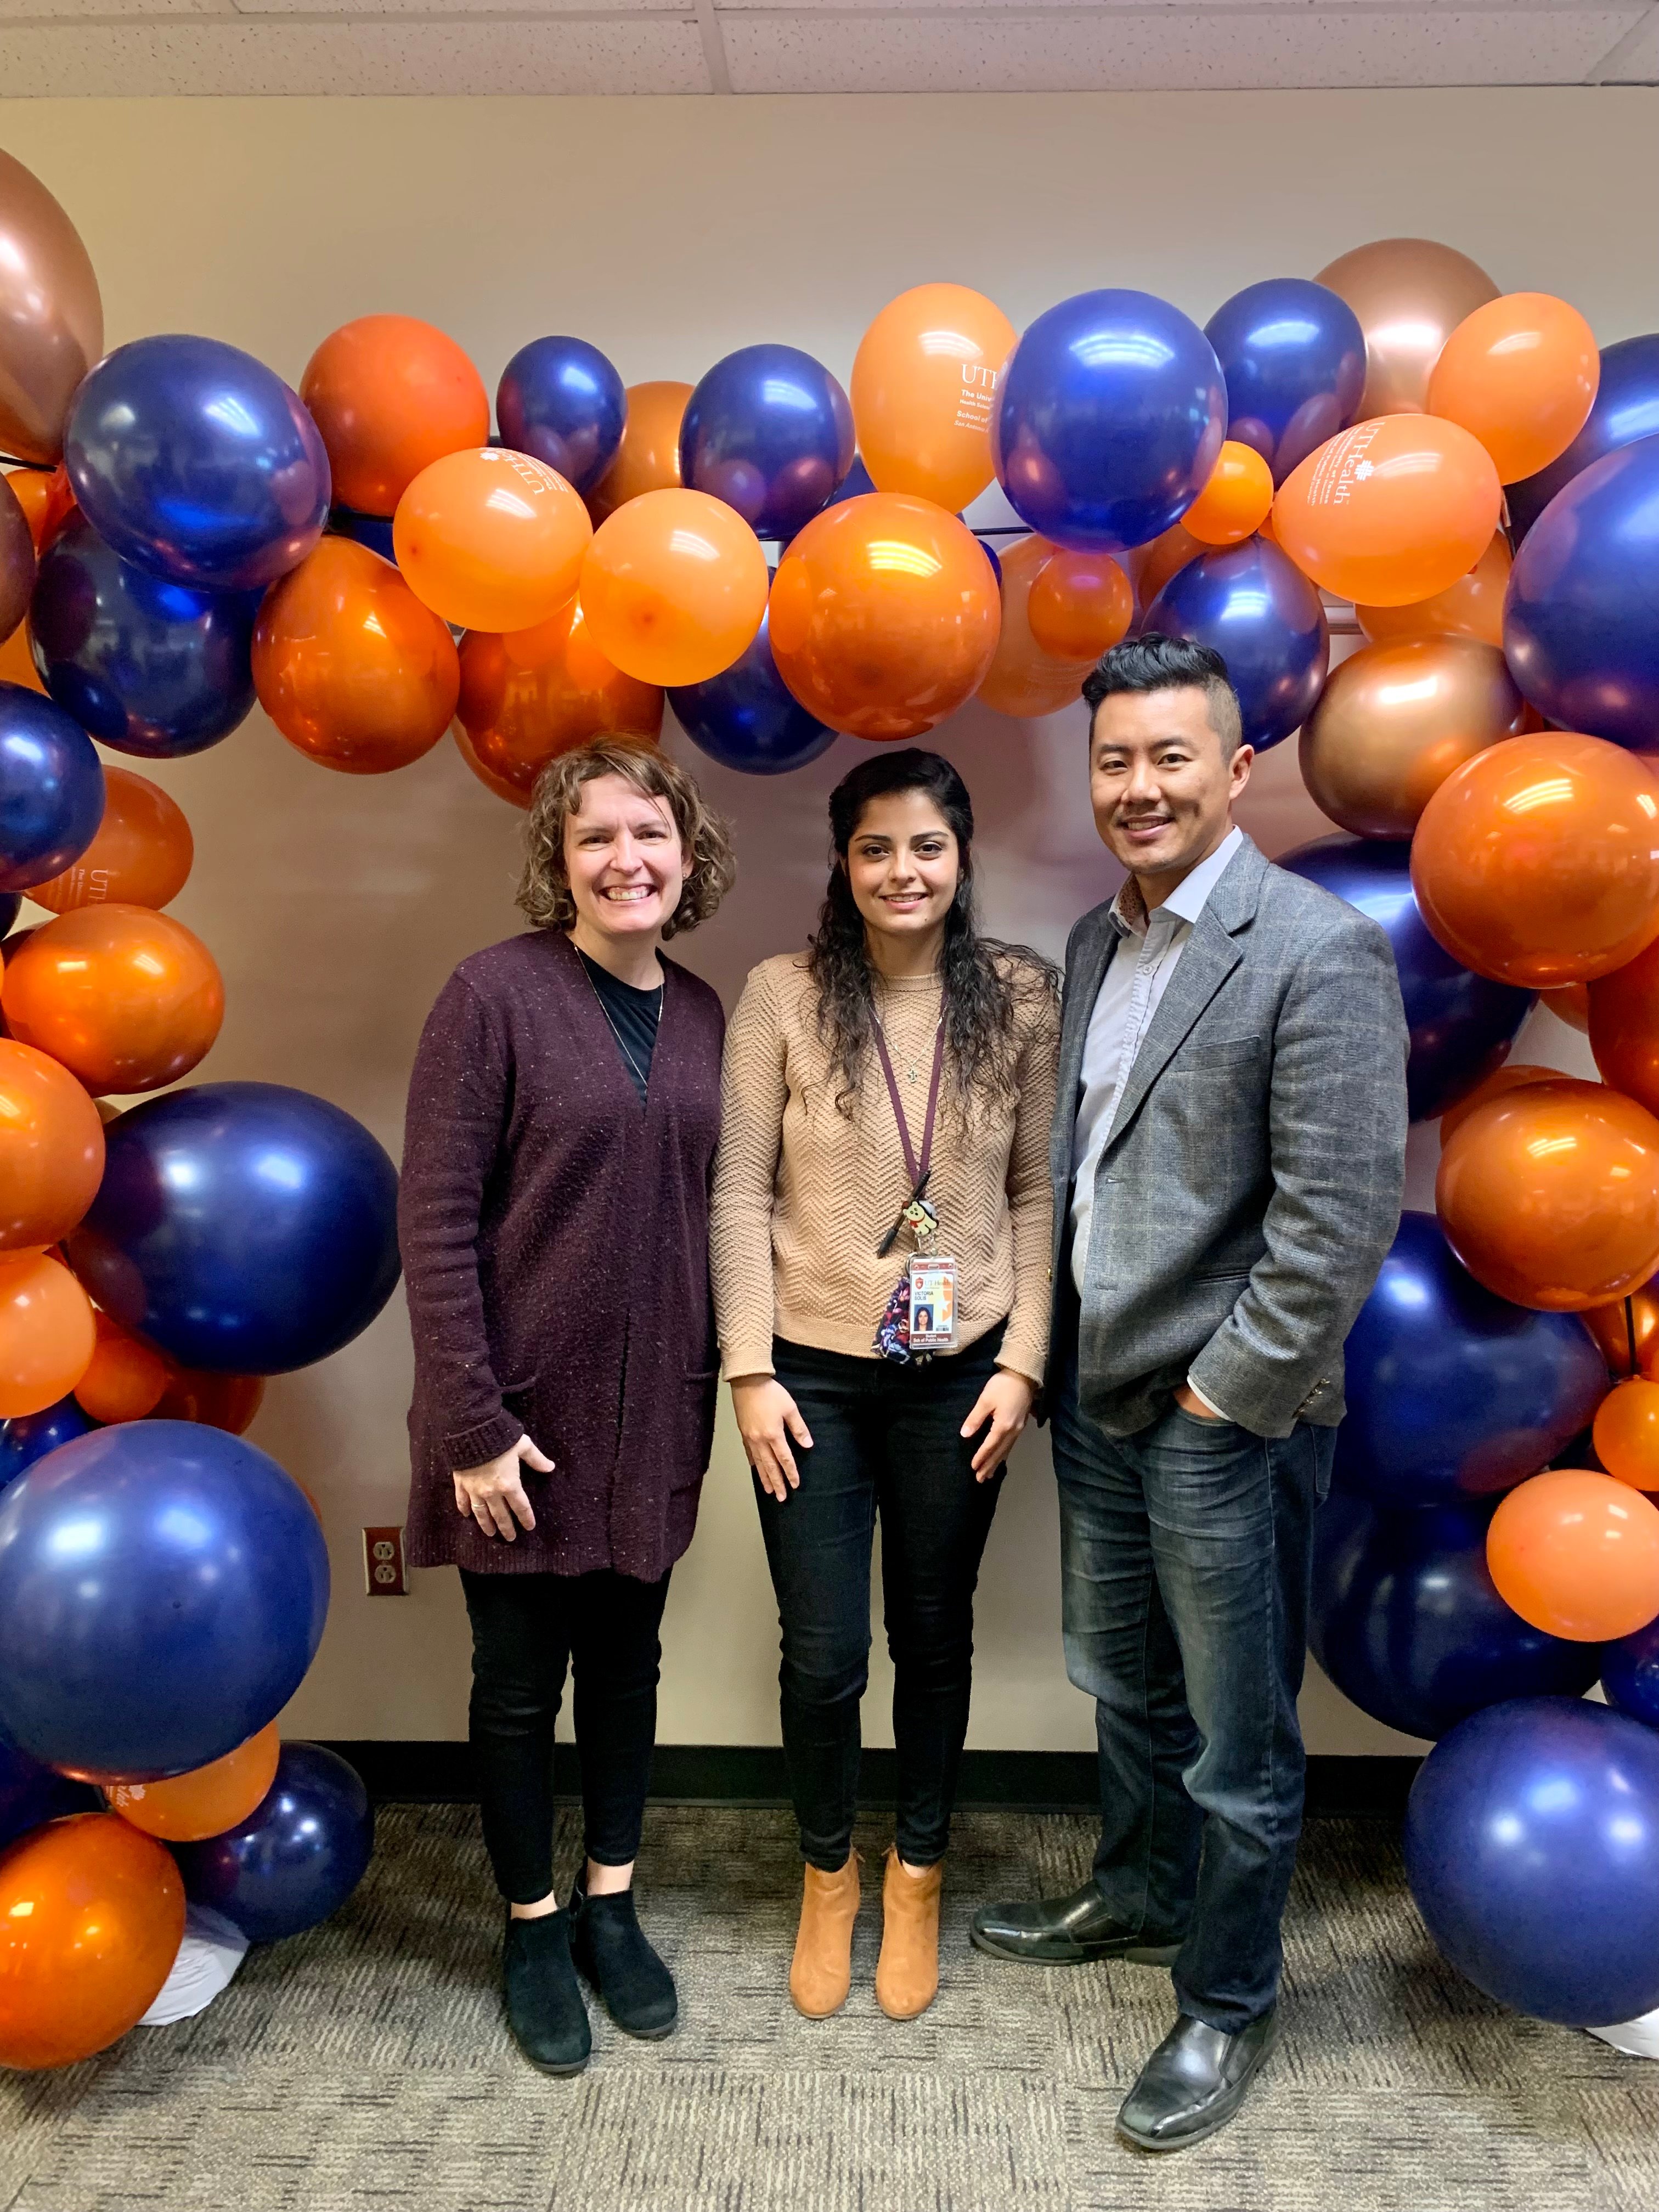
<point>803,1193</point>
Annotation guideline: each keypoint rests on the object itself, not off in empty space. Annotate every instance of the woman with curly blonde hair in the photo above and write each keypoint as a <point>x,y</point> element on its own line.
<point>554,1222</point>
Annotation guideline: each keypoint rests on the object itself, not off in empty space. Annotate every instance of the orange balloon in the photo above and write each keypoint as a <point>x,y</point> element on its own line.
<point>1394,720</point>
<point>487,776</point>
<point>491,539</point>
<point>1390,511</point>
<point>673,588</point>
<point>186,1807</point>
<point>1514,1075</point>
<point>1623,1027</point>
<point>1569,1003</point>
<point>884,617</point>
<point>126,998</point>
<point>1150,566</point>
<point>141,856</point>
<point>1023,680</point>
<point>52,1149</point>
<point>1080,605</point>
<point>220,1401</point>
<point>46,500</point>
<point>1472,607</point>
<point>1410,294</point>
<point>924,387</point>
<point>1626,1331</point>
<point>350,665</point>
<point>1537,861</point>
<point>17,660</point>
<point>1236,501</point>
<point>92,1915</point>
<point>1521,374</point>
<point>1549,1195</point>
<point>649,457</point>
<point>391,395</point>
<point>125,1378</point>
<point>536,693</point>
<point>1627,1433</point>
<point>47,1332</point>
<point>1577,1554</point>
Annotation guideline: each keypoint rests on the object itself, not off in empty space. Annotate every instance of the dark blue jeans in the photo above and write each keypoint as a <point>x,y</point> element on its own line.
<point>884,1440</point>
<point>1185,1555</point>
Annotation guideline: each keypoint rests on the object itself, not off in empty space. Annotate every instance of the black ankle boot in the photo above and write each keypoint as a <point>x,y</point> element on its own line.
<point>544,2008</point>
<point>610,1947</point>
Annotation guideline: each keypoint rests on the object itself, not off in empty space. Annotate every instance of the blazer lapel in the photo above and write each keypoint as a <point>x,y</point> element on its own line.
<point>1082,981</point>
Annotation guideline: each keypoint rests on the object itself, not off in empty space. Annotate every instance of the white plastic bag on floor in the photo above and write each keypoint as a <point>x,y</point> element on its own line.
<point>212,1950</point>
<point>1637,2038</point>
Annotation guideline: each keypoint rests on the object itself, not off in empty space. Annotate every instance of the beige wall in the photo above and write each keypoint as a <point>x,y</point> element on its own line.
<point>670,232</point>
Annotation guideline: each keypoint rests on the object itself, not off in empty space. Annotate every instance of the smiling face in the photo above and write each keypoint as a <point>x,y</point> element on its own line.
<point>625,859</point>
<point>904,865</point>
<point>1161,786</point>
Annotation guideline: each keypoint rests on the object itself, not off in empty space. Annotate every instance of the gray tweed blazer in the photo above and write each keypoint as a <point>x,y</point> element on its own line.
<point>1250,1183</point>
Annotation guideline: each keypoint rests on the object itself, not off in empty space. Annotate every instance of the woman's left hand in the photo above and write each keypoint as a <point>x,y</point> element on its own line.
<point>1005,1402</point>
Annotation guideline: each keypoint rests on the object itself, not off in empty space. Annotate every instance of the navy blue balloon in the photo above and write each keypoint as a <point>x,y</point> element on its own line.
<point>51,789</point>
<point>995,559</point>
<point>1531,1849</point>
<point>197,462</point>
<point>31,1793</point>
<point>1293,355</point>
<point>1110,420</point>
<point>769,431</point>
<point>747,717</point>
<point>246,1228</point>
<point>145,666</point>
<point>163,1587</point>
<point>9,902</point>
<point>1581,617</point>
<point>1630,1674</point>
<point>30,1437</point>
<point>1453,1393</point>
<point>1626,408</point>
<point>373,530</point>
<point>854,485</point>
<point>1408,1623</point>
<point>1462,1025</point>
<point>1259,611</point>
<point>297,1857</point>
<point>561,399</point>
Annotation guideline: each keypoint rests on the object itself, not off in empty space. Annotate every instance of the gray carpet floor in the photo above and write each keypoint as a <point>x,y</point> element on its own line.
<point>364,2066</point>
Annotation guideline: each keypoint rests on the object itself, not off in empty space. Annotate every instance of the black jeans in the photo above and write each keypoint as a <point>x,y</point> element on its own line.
<point>884,1441</point>
<point>527,1629</point>
<point>1186,1556</point>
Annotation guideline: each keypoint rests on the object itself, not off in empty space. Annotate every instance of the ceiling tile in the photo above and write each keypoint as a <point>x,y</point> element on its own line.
<point>1636,59</point>
<point>1149,49</point>
<point>373,10</point>
<point>67,10</point>
<point>252,59</point>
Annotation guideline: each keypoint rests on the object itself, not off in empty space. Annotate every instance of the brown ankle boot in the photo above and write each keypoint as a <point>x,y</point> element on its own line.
<point>907,1973</point>
<point>822,1972</point>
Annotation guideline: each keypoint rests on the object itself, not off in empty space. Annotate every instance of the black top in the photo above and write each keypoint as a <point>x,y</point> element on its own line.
<point>634,1018</point>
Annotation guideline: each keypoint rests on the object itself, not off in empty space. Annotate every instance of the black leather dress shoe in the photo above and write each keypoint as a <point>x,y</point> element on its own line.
<point>1194,2081</point>
<point>1067,1931</point>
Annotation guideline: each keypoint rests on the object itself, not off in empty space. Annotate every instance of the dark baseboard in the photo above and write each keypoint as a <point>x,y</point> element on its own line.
<point>752,1774</point>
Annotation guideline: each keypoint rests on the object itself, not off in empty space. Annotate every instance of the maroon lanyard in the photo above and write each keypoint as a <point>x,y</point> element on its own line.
<point>917,1169</point>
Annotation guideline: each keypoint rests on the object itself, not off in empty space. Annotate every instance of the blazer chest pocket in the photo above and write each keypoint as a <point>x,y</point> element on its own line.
<point>1219,1056</point>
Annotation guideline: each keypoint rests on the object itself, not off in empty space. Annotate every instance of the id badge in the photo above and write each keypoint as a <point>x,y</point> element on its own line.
<point>933,1304</point>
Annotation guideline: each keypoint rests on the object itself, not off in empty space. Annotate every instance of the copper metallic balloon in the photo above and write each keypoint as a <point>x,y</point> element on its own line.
<point>1623,1027</point>
<point>124,998</point>
<point>141,856</point>
<point>1394,720</point>
<point>1537,862</point>
<point>649,457</point>
<point>16,559</point>
<point>1472,607</point>
<point>350,665</point>
<point>1023,680</point>
<point>1624,1332</point>
<point>1513,1075</point>
<point>1410,294</point>
<point>1549,1195</point>
<point>222,1401</point>
<point>527,695</point>
<point>52,320</point>
<point>1570,1005</point>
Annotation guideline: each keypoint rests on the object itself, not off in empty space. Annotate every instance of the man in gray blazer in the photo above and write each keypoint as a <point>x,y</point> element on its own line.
<point>1228,1157</point>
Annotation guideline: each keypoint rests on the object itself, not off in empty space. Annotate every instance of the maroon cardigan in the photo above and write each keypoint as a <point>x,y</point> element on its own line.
<point>555,1240</point>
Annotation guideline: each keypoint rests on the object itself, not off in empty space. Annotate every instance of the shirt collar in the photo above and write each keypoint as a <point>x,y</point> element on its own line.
<point>1189,898</point>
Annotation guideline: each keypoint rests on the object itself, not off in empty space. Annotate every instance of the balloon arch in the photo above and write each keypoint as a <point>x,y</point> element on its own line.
<point>184,534</point>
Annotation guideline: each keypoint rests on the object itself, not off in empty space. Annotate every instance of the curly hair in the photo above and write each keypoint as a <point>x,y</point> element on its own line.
<point>986,982</point>
<point>544,893</point>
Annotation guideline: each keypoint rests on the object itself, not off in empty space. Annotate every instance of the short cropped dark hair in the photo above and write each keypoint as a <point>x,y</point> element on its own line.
<point>1153,662</point>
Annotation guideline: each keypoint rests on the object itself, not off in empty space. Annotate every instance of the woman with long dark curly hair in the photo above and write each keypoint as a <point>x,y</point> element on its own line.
<point>881,1233</point>
<point>557,1160</point>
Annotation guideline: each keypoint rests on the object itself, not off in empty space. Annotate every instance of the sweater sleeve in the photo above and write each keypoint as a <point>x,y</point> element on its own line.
<point>1031,1198</point>
<point>754,1090</point>
<point>458,1105</point>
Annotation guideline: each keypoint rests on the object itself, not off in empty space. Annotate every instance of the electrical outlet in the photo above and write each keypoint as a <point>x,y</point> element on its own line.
<point>384,1574</point>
